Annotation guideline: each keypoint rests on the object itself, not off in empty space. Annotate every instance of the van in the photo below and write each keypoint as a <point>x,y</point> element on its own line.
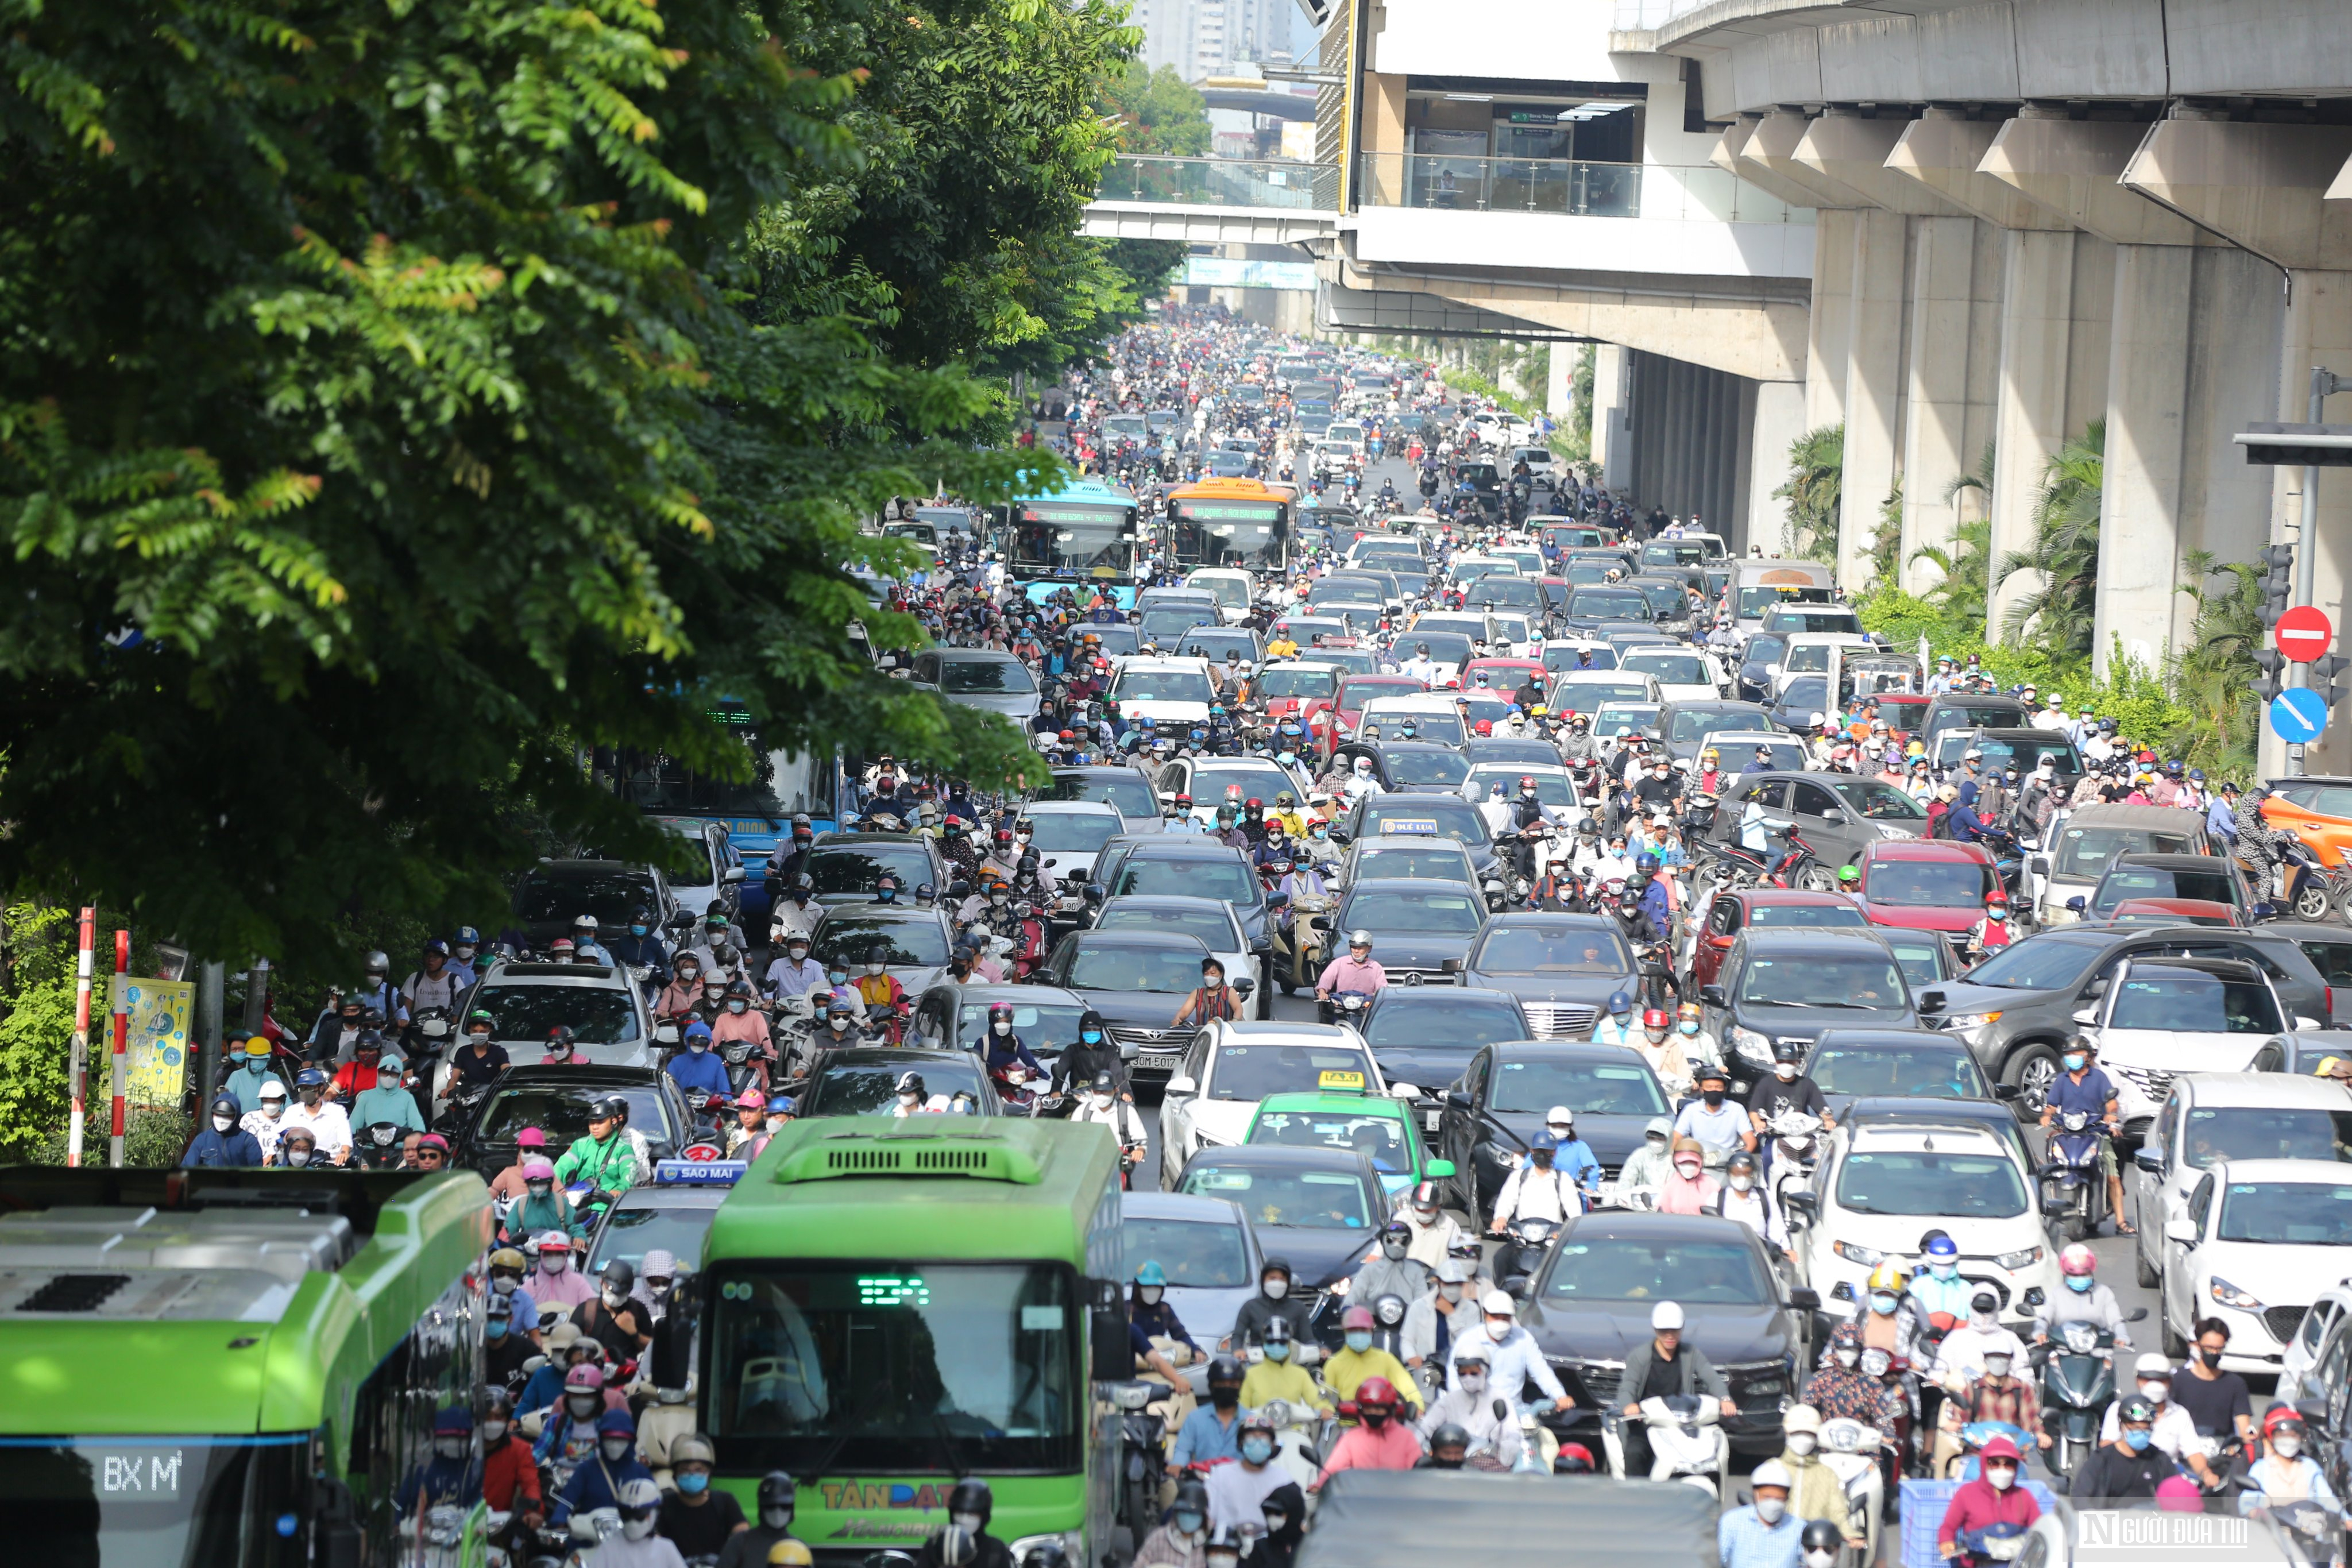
<point>2082,843</point>
<point>1758,585</point>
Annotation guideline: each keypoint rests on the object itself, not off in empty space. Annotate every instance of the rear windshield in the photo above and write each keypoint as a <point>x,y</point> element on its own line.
<point>599,1016</point>
<point>1253,1072</point>
<point>1202,878</point>
<point>1439,910</point>
<point>1314,1200</point>
<point>989,675</point>
<point>2264,1132</point>
<point>1427,770</point>
<point>2162,882</point>
<point>1130,795</point>
<point>868,1089</point>
<point>860,868</point>
<point>1812,916</point>
<point>1380,1138</point>
<point>1929,884</point>
<point>2195,1004</point>
<point>1551,950</point>
<point>1453,818</point>
<point>1194,1254</point>
<point>1169,969</point>
<point>1926,1072</point>
<point>848,943</point>
<point>2087,852</point>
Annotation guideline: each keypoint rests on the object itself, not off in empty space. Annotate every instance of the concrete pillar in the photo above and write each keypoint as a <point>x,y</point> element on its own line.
<point>1560,381</point>
<point>1954,332</point>
<point>1782,416</point>
<point>1730,446</point>
<point>1830,331</point>
<point>2147,396</point>
<point>1689,413</point>
<point>1608,444</point>
<point>2037,320</point>
<point>1873,388</point>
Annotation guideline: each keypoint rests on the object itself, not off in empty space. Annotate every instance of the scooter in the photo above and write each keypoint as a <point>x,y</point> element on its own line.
<point>2074,1188</point>
<point>1993,1544</point>
<point>1526,1240</point>
<point>379,1145</point>
<point>1853,1451</point>
<point>1687,1441</point>
<point>1343,1007</point>
<point>2078,1383</point>
<point>1296,1430</point>
<point>1143,1454</point>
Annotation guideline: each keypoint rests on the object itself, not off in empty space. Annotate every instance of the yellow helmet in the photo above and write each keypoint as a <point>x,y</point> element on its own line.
<point>1889,1275</point>
<point>790,1553</point>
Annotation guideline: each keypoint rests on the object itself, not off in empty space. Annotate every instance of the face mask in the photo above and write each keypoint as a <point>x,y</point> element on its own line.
<point>1784,1071</point>
<point>689,976</point>
<point>2212,1358</point>
<point>555,1263</point>
<point>910,1100</point>
<point>796,952</point>
<point>615,1449</point>
<point>1002,1029</point>
<point>692,1482</point>
<point>297,1156</point>
<point>971,1522</point>
<point>1742,1183</point>
<point>1375,1420</point>
<point>1984,1322</point>
<point>838,1023</point>
<point>838,976</point>
<point>1848,1358</point>
<point>697,1044</point>
<point>736,1005</point>
<point>1687,1170</point>
<point>1770,1508</point>
<point>612,1297</point>
<point>2139,1438</point>
<point>449,1448</point>
<point>1276,1288</point>
<point>1943,1270</point>
<point>1820,1559</point>
<point>581,1405</point>
<point>1884,1304</point>
<point>1360,1340</point>
<point>1997,1365</point>
<point>1803,1442</point>
<point>1257,1450</point>
<point>1275,1521</point>
<point>1091,1036</point>
<point>1451,1292</point>
<point>497,1328</point>
<point>2075,1063</point>
<point>223,1123</point>
<point>2002,1477</point>
<point>539,1189</point>
<point>1499,1329</point>
<point>2286,1446</point>
<point>637,1528</point>
<point>1278,1353</point>
<point>776,1518</point>
<point>1474,1382</point>
<point>1690,1025</point>
<point>492,1431</point>
<point>2155,1389</point>
<point>1714,1097</point>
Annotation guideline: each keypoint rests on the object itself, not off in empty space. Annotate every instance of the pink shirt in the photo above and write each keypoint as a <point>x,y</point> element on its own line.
<point>1393,1447</point>
<point>1347,974</point>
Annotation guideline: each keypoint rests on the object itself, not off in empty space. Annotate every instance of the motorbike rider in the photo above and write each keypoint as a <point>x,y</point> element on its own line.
<point>1149,1309</point>
<point>1541,1188</point>
<point>2082,1086</point>
<point>2000,1395</point>
<point>1510,1352</point>
<point>1434,1233</point>
<point>610,1156</point>
<point>1788,1088</point>
<point>774,1526</point>
<point>1274,1301</point>
<point>2285,1473</point>
<point>1391,1271</point>
<point>2173,1429</point>
<point>251,1073</point>
<point>600,1478</point>
<point>266,1124</point>
<point>1212,1434</point>
<point>739,1019</point>
<point>1237,1492</point>
<point>1433,1319</point>
<point>1993,1497</point>
<point>620,1320</point>
<point>1297,881</point>
<point>2217,1401</point>
<point>435,983</point>
<point>695,1065</point>
<point>1619,1026</point>
<point>1940,1291</point>
<point>225,1142</point>
<point>1647,1168</point>
<point>1662,1366</point>
<point>329,1128</point>
<point>2127,1465</point>
<point>1743,1197</point>
<point>1720,1129</point>
<point>1960,1357</point>
<point>1468,1405</point>
<point>1990,934</point>
<point>1839,1387</point>
<point>1212,999</point>
<point>2083,1300</point>
<point>1359,1360</point>
<point>478,1059</point>
<point>1088,1057</point>
<point>1816,1492</point>
<point>1763,1532</point>
<point>1666,1051</point>
<point>1101,1104</point>
<point>390,1099</point>
<point>1895,1320</point>
<point>1009,1060</point>
<point>1379,1441</point>
<point>679,998</point>
<point>1181,1541</point>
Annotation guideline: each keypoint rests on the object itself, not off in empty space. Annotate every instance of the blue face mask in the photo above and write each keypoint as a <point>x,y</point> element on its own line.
<point>1278,1353</point>
<point>691,1483</point>
<point>1690,1025</point>
<point>636,931</point>
<point>1091,1036</point>
<point>496,1328</point>
<point>2080,1281</point>
<point>1360,1340</point>
<point>1257,1450</point>
<point>1884,1304</point>
<point>2075,1064</point>
<point>2138,1438</point>
<point>838,976</point>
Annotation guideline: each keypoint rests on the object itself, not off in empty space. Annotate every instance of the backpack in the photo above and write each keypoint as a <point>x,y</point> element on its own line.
<point>1939,823</point>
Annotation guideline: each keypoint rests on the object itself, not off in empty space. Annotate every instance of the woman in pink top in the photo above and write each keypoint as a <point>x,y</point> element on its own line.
<point>1690,1190</point>
<point>555,1281</point>
<point>1379,1441</point>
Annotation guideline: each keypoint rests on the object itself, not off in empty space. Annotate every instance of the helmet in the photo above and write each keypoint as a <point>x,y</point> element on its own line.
<point>1575,1459</point>
<point>1449,1436</point>
<point>971,1496</point>
<point>1376,1392</point>
<point>1152,1274</point>
<point>1047,1553</point>
<point>1360,938</point>
<point>1666,1316</point>
<point>1225,1369</point>
<point>693,1447</point>
<point>1656,1018</point>
<point>227,1105</point>
<point>1772,1473</point>
<point>777,1490</point>
<point>1787,1051</point>
<point>1820,1535</point>
<point>2279,1415</point>
<point>2077,1260</point>
<point>1849,877</point>
<point>587,1378</point>
<point>909,1082</point>
<point>1889,1275</point>
<point>1802,1418</point>
<point>2138,1409</point>
<point>1621,1002</point>
<point>790,1552</point>
<point>1646,862</point>
<point>609,1108</point>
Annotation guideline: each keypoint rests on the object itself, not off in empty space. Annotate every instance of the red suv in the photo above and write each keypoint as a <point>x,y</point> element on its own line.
<point>1729,914</point>
<point>1926,884</point>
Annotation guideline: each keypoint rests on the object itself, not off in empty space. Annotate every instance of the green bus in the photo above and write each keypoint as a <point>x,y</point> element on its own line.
<point>890,1306</point>
<point>232,1368</point>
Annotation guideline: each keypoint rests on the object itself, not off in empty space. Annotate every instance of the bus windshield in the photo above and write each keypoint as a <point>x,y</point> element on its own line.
<point>887,1367</point>
<point>1754,602</point>
<point>774,783</point>
<point>1091,538</point>
<point>1253,535</point>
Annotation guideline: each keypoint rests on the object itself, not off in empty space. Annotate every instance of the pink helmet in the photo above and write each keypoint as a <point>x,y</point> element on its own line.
<point>2077,1260</point>
<point>538,1171</point>
<point>586,1377</point>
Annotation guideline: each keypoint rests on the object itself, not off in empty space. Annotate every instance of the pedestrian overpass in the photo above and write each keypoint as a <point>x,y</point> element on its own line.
<point>1215,201</point>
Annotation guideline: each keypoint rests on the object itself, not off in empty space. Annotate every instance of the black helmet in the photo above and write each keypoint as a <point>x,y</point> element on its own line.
<point>879,954</point>
<point>227,1105</point>
<point>1787,1051</point>
<point>1449,1436</point>
<point>1276,1331</point>
<point>909,1082</point>
<point>1820,1535</point>
<point>1225,1369</point>
<point>496,1404</point>
<point>610,1107</point>
<point>1106,1082</point>
<point>1193,1494</point>
<point>738,988</point>
<point>1047,1555</point>
<point>971,1496</point>
<point>1090,1019</point>
<point>777,1490</point>
<point>1000,1011</point>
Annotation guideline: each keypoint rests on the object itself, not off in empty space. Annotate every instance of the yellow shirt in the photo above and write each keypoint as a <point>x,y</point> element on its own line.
<point>1281,648</point>
<point>1346,1370</point>
<point>1285,1381</point>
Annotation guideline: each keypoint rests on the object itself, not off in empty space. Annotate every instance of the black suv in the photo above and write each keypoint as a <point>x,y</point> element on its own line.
<point>2016,1010</point>
<point>1786,986</point>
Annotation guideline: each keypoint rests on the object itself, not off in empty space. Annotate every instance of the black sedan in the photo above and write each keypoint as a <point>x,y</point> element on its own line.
<point>1508,1089</point>
<point>555,1100</point>
<point>1421,930</point>
<point>862,1080</point>
<point>1138,981</point>
<point>1427,1035</point>
<point>1591,1306</point>
<point>1785,985</point>
<point>1562,968</point>
<point>1920,1064</point>
<point>1316,1209</point>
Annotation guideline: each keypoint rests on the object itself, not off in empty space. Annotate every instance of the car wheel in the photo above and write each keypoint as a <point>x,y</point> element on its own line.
<point>2174,1345</point>
<point>2142,1270</point>
<point>2031,1069</point>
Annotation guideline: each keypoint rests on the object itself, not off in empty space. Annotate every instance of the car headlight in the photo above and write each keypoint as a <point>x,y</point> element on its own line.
<point>1071,1541</point>
<point>1755,1047</point>
<point>2229,1295</point>
<point>1852,1252</point>
<point>1970,1023</point>
<point>2023,1258</point>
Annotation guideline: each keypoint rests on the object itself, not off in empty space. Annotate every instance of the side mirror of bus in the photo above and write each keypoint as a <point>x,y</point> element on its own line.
<point>1113,1354</point>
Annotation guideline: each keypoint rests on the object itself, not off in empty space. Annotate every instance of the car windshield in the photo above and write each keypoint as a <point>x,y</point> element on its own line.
<point>1812,916</point>
<point>1253,1072</point>
<point>2038,963</point>
<point>1681,1269</point>
<point>632,1230</point>
<point>1926,1071</point>
<point>611,896</point>
<point>1072,832</point>
<point>1008,675</point>
<point>598,1014</point>
<point>1314,1200</point>
<point>1133,685</point>
<point>1444,647</point>
<point>2264,1132</point>
<point>2184,1001</point>
<point>1791,620</point>
<point>1450,816</point>
<point>1755,603</point>
<point>1860,982</point>
<point>2125,882</point>
<point>1904,1181</point>
<point>2286,1214</point>
<point>1671,669</point>
<point>1438,911</point>
<point>1551,950</point>
<point>846,941</point>
<point>1380,1138</point>
<point>1199,878</point>
<point>1043,1026</point>
<point>1929,884</point>
<point>1256,781</point>
<point>2087,852</point>
<point>1922,959</point>
<point>2025,754</point>
<point>1171,969</point>
<point>870,1089</point>
<point>1388,858</point>
<point>1551,788</point>
<point>1610,604</point>
<point>1125,791</point>
<point>562,1112</point>
<point>1200,1255</point>
<point>1219,647</point>
<point>1434,768</point>
<point>1210,923</point>
<point>1589,1088</point>
<point>1612,719</point>
<point>1561,658</point>
<point>858,868</point>
<point>1695,724</point>
<point>1879,802</point>
<point>1428,1017</point>
<point>1296,681</point>
<point>1357,693</point>
<point>864,1364</point>
<point>1518,592</point>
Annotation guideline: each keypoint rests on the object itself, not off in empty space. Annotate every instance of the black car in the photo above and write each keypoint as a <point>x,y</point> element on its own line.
<point>1408,764</point>
<point>1510,748</point>
<point>2017,1008</point>
<point>952,1017</point>
<point>1192,865</point>
<point>1562,968</point>
<point>1427,1035</point>
<point>555,1100</point>
<point>1785,986</point>
<point>1136,980</point>
<point>2024,750</point>
<point>862,1080</point>
<point>554,893</point>
<point>2212,878</point>
<point>1316,1209</point>
<point>1422,929</point>
<point>847,867</point>
<point>1684,727</point>
<point>1591,1306</point>
<point>1596,604</point>
<point>1503,1095</point>
<point>1916,1063</point>
<point>1972,711</point>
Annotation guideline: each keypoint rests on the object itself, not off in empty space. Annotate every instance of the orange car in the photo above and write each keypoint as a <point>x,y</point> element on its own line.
<point>2317,810</point>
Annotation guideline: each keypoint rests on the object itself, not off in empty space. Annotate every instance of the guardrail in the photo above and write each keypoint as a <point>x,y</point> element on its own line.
<point>1221,183</point>
<point>1569,187</point>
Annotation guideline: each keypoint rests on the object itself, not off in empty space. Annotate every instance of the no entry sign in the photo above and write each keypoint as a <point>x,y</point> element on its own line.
<point>2304,633</point>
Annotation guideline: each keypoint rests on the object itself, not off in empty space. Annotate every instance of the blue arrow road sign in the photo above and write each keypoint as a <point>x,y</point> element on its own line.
<point>2298,714</point>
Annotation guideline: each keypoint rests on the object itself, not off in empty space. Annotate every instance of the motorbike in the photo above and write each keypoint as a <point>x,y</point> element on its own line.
<point>1852,1452</point>
<point>1687,1440</point>
<point>1310,917</point>
<point>378,1146</point>
<point>743,1068</point>
<point>2074,1188</point>
<point>1995,1543</point>
<point>2078,1383</point>
<point>1974,1435</point>
<point>1143,1454</point>
<point>458,1110</point>
<point>1526,1240</point>
<point>1343,1007</point>
<point>1297,1431</point>
<point>1894,1371</point>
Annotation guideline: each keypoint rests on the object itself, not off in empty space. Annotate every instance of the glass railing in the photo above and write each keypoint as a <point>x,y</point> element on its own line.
<point>1569,187</point>
<point>1638,16</point>
<point>1221,183</point>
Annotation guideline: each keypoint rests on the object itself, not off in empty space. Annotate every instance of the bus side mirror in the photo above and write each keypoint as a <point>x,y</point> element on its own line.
<point>1107,1343</point>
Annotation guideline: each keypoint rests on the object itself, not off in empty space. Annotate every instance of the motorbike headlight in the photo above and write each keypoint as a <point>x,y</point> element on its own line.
<point>1855,1253</point>
<point>2023,1258</point>
<point>1754,1046</point>
<point>2229,1295</point>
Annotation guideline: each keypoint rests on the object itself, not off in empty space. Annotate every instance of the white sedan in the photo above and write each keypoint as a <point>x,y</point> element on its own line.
<point>2259,1239</point>
<point>1230,1067</point>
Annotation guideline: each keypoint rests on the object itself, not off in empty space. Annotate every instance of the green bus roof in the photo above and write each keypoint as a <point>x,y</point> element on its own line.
<point>217,1301</point>
<point>927,1188</point>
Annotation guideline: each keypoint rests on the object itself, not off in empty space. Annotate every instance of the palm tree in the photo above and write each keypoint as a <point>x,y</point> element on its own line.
<point>2216,674</point>
<point>1816,470</point>
<point>2062,608</point>
<point>1966,564</point>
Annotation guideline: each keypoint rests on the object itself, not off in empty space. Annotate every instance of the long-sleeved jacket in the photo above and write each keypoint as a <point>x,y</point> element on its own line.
<point>1474,1414</point>
<point>1511,1361</point>
<point>1697,1374</point>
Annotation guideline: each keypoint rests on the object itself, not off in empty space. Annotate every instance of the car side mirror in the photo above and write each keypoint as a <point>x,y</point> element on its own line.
<point>1713,995</point>
<point>2086,1015</point>
<point>1805,1298</point>
<point>2007,1091</point>
<point>1182,1083</point>
<point>1168,797</point>
<point>1438,1170</point>
<point>1797,1199</point>
<point>1931,1001</point>
<point>733,874</point>
<point>2183,1231</point>
<point>1244,985</point>
<point>2038,865</point>
<point>2149,1157</point>
<point>1458,1099</point>
<point>1449,965</point>
<point>2076,903</point>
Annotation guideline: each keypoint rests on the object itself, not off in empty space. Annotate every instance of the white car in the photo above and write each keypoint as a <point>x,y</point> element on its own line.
<point>1476,624</point>
<point>1808,652</point>
<point>1069,838</point>
<point>1538,459</point>
<point>2210,1117</point>
<point>1555,788</point>
<point>1434,718</point>
<point>2160,1017</point>
<point>1171,692</point>
<point>2258,1240</point>
<point>1511,627</point>
<point>1881,1184</point>
<point>1684,673</point>
<point>1230,1067</point>
<point>2314,1364</point>
<point>1233,589</point>
<point>1582,690</point>
<point>1207,780</point>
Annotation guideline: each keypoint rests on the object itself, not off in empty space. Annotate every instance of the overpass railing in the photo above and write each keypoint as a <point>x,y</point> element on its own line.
<point>1570,187</point>
<point>1221,183</point>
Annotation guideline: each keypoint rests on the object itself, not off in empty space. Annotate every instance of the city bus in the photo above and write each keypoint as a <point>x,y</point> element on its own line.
<point>1084,533</point>
<point>890,1306</point>
<point>233,1366</point>
<point>1231,522</point>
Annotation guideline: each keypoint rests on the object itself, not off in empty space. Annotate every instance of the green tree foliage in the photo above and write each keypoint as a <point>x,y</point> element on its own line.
<point>2213,679</point>
<point>1959,597</point>
<point>2061,609</point>
<point>1816,472</point>
<point>377,430</point>
<point>1158,113</point>
<point>1576,445</point>
<point>37,1029</point>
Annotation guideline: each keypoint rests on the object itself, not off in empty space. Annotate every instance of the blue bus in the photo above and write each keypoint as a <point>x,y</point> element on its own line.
<point>1085,534</point>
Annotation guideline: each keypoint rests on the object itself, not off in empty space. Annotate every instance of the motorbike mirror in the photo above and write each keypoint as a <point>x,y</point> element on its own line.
<point>1518,1285</point>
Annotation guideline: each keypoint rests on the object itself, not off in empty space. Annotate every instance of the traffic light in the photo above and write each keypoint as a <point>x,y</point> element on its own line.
<point>2278,582</point>
<point>2272,662</point>
<point>2324,674</point>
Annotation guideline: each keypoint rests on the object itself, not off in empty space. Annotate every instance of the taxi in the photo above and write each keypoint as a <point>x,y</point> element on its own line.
<point>1342,1114</point>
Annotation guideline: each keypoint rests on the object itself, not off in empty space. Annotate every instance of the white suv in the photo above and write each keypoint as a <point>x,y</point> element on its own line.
<point>2163,1016</point>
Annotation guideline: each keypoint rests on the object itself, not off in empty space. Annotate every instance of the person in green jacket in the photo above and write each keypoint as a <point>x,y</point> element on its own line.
<point>612,1158</point>
<point>387,1102</point>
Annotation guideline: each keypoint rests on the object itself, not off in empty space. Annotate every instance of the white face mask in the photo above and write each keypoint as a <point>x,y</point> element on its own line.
<point>274,1106</point>
<point>1770,1508</point>
<point>1561,1131</point>
<point>1742,1183</point>
<point>554,1262</point>
<point>615,1449</point>
<point>1803,1442</point>
<point>1849,1358</point>
<point>873,969</point>
<point>1820,1559</point>
<point>1276,1289</point>
<point>1451,1292</point>
<point>1784,1071</point>
<point>2155,1389</point>
<point>908,1102</point>
<point>2000,1477</point>
<point>1997,1366</point>
<point>223,1123</point>
<point>2286,1446</point>
<point>1149,1294</point>
<point>637,1528</point>
<point>1003,1029</point>
<point>971,1522</point>
<point>1473,1381</point>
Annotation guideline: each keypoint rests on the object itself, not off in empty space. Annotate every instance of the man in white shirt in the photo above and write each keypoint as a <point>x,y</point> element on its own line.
<point>328,1125</point>
<point>1959,1359</point>
<point>1538,1189</point>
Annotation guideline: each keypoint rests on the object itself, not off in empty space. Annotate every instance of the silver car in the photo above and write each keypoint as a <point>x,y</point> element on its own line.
<point>606,1012</point>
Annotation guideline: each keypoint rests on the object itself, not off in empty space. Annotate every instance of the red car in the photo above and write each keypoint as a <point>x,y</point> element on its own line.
<point>1504,674</point>
<point>1925,884</point>
<point>1296,689</point>
<point>2175,912</point>
<point>1731,913</point>
<point>1348,706</point>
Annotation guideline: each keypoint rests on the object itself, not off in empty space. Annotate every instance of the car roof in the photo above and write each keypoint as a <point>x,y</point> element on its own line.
<point>1395,994</point>
<point>570,1074</point>
<point>1074,807</point>
<point>1381,1105</point>
<point>584,868</point>
<point>1196,1207</point>
<point>1637,1226</point>
<point>1278,1032</point>
<point>1178,903</point>
<point>1893,1037</point>
<point>1935,849</point>
<point>2223,968</point>
<point>976,655</point>
<point>1788,897</point>
<point>1545,919</point>
<point>602,975</point>
<point>1405,884</point>
<point>1384,747</point>
<point>2264,1090</point>
<point>2314,1171</point>
<point>1280,1154</point>
<point>1180,846</point>
<point>979,994</point>
<point>1777,938</point>
<point>897,1055</point>
<point>1093,937</point>
<point>1912,1110</point>
<point>1565,1051</point>
<point>1919,1131</point>
<point>852,838</point>
<point>2164,862</point>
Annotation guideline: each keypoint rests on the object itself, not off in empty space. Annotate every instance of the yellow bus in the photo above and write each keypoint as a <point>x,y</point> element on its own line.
<point>1231,522</point>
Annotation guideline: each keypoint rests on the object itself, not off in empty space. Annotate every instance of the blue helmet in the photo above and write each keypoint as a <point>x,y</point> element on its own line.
<point>1621,1001</point>
<point>1942,1246</point>
<point>1646,862</point>
<point>1152,1274</point>
<point>1543,1143</point>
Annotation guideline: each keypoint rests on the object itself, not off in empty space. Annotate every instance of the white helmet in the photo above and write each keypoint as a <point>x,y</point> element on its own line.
<point>1772,1473</point>
<point>1666,1315</point>
<point>1561,1113</point>
<point>1453,1271</point>
<point>1498,1304</point>
<point>1802,1418</point>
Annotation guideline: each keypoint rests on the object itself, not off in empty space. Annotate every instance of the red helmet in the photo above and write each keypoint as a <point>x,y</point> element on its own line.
<point>1004,836</point>
<point>1656,1018</point>
<point>1486,727</point>
<point>1254,804</point>
<point>1378,1392</point>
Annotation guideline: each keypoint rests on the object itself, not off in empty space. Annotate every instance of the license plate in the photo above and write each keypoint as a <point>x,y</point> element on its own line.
<point>1157,1061</point>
